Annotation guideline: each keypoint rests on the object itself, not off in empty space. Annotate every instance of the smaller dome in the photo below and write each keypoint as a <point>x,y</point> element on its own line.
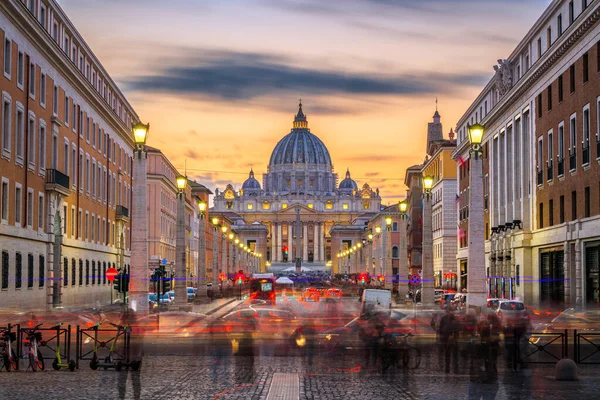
<point>348,183</point>
<point>251,183</point>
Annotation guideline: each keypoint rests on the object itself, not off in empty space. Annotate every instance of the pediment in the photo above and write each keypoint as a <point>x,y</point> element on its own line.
<point>291,210</point>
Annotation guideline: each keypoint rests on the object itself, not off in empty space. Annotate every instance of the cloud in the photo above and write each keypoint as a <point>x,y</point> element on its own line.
<point>191,154</point>
<point>371,174</point>
<point>244,76</point>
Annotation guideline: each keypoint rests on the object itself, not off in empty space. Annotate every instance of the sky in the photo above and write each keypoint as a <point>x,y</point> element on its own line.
<point>219,80</point>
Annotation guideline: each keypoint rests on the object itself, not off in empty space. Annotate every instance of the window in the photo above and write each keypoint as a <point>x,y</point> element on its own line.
<point>42,147</point>
<point>87,175</point>
<point>43,16</point>
<point>395,252</point>
<point>7,57</point>
<point>6,125</point>
<point>586,71</point>
<point>598,56</point>
<point>30,208</point>
<point>72,221</point>
<point>31,141</point>
<point>29,270</point>
<point>55,100</point>
<point>87,129</point>
<point>571,13</point>
<point>541,216</point>
<point>4,199</point>
<point>79,224</point>
<point>551,213</point>
<point>539,48</point>
<point>40,212</point>
<point>573,142</point>
<point>573,205</point>
<point>559,24</point>
<point>5,270</point>
<point>20,133</point>
<point>539,105</point>
<point>561,146</point>
<point>94,135</point>
<point>395,227</point>
<point>549,97</point>
<point>540,155</point>
<point>572,78</point>
<point>583,5</point>
<point>550,155</point>
<point>73,166</point>
<point>587,205</point>
<point>284,206</point>
<point>560,89</point>
<point>18,271</point>
<point>311,205</point>
<point>41,270</point>
<point>93,184</point>
<point>562,209</point>
<point>64,220</point>
<point>345,206</point>
<point>549,36</point>
<point>81,166</point>
<point>20,67</point>
<point>93,272</point>
<point>32,79</point>
<point>329,206</point>
<point>43,90</point>
<point>80,272</point>
<point>66,119</point>
<point>18,202</point>
<point>73,116</point>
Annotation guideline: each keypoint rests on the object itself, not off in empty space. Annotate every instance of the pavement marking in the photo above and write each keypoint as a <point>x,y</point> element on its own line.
<point>284,386</point>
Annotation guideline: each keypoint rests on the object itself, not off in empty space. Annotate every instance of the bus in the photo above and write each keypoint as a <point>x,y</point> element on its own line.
<point>263,289</point>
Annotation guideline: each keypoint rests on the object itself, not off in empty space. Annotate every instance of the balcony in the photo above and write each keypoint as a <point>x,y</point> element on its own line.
<point>540,177</point>
<point>572,160</point>
<point>550,170</point>
<point>122,213</point>
<point>58,182</point>
<point>561,167</point>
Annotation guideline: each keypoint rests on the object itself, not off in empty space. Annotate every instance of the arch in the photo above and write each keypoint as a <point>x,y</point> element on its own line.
<point>394,251</point>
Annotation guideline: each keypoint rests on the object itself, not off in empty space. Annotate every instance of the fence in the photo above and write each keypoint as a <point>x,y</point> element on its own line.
<point>101,347</point>
<point>53,343</point>
<point>587,347</point>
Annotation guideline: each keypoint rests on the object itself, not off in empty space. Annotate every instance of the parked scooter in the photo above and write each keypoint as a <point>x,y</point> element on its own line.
<point>57,363</point>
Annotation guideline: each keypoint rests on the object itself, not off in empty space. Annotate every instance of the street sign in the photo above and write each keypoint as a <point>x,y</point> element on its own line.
<point>164,261</point>
<point>111,273</point>
<point>415,279</point>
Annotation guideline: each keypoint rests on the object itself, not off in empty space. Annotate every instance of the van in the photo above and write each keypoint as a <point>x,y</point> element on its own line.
<point>376,298</point>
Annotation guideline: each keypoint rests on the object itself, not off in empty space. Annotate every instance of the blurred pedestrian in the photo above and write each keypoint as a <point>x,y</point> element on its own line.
<point>483,374</point>
<point>134,354</point>
<point>449,331</point>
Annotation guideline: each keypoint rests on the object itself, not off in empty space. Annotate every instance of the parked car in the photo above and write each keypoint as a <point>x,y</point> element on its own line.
<point>493,303</point>
<point>164,299</point>
<point>191,293</point>
<point>446,299</point>
<point>513,315</point>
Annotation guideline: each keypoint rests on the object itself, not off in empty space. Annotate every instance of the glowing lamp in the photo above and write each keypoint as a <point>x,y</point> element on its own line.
<point>476,134</point>
<point>140,133</point>
<point>181,181</point>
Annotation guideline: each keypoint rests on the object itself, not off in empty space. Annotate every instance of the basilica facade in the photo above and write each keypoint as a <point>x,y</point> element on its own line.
<point>300,179</point>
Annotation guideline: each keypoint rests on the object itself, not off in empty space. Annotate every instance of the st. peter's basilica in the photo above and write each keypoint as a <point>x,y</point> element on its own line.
<point>300,177</point>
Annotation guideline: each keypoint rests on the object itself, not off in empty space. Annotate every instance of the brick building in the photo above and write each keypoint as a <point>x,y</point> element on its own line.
<point>65,163</point>
<point>541,199</point>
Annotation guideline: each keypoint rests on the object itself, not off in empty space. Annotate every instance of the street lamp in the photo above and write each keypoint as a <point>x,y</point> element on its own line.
<point>378,229</point>
<point>201,251</point>
<point>403,206</point>
<point>138,281</point>
<point>370,236</point>
<point>427,292</point>
<point>402,255</point>
<point>476,278</point>
<point>215,255</point>
<point>388,222</point>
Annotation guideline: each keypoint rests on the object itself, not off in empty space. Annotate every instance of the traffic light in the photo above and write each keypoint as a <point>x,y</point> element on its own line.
<point>125,283</point>
<point>381,278</point>
<point>167,283</point>
<point>363,279</point>
<point>222,277</point>
<point>118,282</point>
<point>239,278</point>
<point>285,250</point>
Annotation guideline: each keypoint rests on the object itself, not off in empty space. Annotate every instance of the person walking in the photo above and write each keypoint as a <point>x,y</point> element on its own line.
<point>449,330</point>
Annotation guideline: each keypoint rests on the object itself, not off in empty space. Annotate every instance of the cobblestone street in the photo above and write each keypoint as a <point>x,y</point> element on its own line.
<point>186,377</point>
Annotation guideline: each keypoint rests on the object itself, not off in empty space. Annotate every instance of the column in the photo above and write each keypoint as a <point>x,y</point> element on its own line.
<point>215,256</point>
<point>279,243</point>
<point>476,282</point>
<point>305,242</point>
<point>290,242</point>
<point>202,257</point>
<point>180,270</point>
<point>322,242</point>
<point>273,242</point>
<point>316,242</point>
<point>138,272</point>
<point>402,258</point>
<point>232,257</point>
<point>223,253</point>
<point>427,291</point>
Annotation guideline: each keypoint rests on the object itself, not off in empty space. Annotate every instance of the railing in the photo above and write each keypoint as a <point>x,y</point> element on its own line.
<point>55,177</point>
<point>539,347</point>
<point>122,212</point>
<point>572,159</point>
<point>550,170</point>
<point>587,347</point>
<point>540,177</point>
<point>561,167</point>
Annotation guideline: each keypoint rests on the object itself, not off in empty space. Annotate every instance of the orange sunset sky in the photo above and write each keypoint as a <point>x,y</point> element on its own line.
<point>219,81</point>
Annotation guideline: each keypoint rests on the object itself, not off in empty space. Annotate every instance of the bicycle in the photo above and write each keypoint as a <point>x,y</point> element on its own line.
<point>57,363</point>
<point>9,357</point>
<point>36,359</point>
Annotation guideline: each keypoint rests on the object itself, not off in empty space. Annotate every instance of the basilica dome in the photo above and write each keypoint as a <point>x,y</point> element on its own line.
<point>348,184</point>
<point>300,146</point>
<point>251,183</point>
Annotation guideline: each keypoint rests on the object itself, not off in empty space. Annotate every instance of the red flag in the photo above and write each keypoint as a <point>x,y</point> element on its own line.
<point>461,233</point>
<point>461,161</point>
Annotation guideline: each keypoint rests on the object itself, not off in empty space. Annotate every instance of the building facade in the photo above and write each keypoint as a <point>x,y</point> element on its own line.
<point>414,226</point>
<point>65,163</point>
<point>300,178</point>
<point>444,200</point>
<point>540,113</point>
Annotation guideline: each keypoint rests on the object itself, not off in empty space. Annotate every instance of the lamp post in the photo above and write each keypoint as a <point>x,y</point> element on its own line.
<point>223,269</point>
<point>215,256</point>
<point>201,251</point>
<point>180,260</point>
<point>476,281</point>
<point>138,272</point>
<point>427,292</point>
<point>402,255</point>
<point>386,249</point>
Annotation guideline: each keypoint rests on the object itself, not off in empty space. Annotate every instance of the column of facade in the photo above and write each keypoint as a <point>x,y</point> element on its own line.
<point>321,242</point>
<point>305,242</point>
<point>316,242</point>
<point>279,243</point>
<point>290,242</point>
<point>579,274</point>
<point>273,241</point>
<point>476,282</point>
<point>223,253</point>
